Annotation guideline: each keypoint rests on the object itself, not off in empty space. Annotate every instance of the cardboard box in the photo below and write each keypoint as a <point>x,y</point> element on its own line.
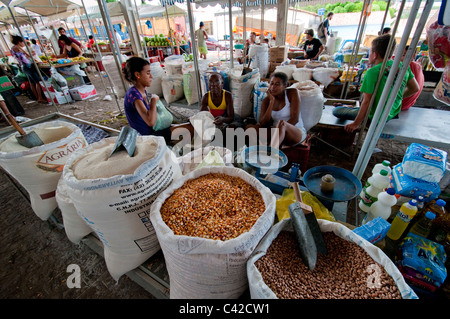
<point>48,85</point>
<point>272,66</point>
<point>278,54</point>
<point>295,54</point>
<point>83,92</point>
<point>60,97</point>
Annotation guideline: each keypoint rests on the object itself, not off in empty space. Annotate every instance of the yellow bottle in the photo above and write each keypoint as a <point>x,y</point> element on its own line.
<point>401,221</point>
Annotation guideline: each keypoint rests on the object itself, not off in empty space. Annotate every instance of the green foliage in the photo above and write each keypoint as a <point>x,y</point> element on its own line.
<point>349,6</point>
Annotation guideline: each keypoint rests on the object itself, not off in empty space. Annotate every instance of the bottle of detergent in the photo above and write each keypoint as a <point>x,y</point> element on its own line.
<point>370,195</point>
<point>382,207</point>
<point>401,221</point>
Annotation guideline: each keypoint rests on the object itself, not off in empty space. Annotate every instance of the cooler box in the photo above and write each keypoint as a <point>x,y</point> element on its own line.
<point>83,92</point>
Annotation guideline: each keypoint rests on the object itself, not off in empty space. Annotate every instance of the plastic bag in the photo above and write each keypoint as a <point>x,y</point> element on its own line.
<point>163,117</point>
<point>288,197</point>
<point>423,259</point>
<point>424,162</point>
<point>60,80</point>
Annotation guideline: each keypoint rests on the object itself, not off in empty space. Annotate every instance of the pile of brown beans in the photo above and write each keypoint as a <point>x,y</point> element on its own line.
<point>215,206</point>
<point>346,272</point>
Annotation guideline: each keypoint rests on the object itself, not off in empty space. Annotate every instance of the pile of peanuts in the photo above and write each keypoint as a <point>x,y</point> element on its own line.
<point>346,272</point>
<point>215,206</point>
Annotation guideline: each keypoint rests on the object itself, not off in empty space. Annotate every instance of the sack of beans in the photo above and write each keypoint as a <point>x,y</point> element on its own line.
<point>113,194</point>
<point>39,169</point>
<point>75,226</point>
<point>352,269</point>
<point>208,223</point>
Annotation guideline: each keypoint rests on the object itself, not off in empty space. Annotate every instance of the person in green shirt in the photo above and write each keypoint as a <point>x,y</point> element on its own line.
<point>408,87</point>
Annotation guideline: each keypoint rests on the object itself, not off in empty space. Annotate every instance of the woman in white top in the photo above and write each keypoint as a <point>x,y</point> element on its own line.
<point>281,109</point>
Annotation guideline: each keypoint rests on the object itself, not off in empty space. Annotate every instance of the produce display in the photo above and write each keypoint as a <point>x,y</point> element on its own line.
<point>214,206</point>
<point>157,41</point>
<point>341,274</point>
<point>55,61</point>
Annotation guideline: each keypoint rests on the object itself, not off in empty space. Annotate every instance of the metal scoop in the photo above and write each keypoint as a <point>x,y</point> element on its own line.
<point>125,141</point>
<point>28,140</point>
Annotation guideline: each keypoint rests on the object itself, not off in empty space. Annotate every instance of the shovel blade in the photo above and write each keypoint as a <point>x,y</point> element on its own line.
<point>305,239</point>
<point>126,140</point>
<point>29,140</point>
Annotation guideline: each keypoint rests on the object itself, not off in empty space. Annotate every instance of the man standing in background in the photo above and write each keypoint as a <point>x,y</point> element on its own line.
<point>324,29</point>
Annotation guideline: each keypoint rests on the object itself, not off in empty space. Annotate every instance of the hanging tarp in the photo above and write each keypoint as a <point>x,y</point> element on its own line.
<point>93,12</point>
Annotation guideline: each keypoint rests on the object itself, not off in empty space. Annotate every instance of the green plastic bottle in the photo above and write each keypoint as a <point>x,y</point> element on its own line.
<point>401,221</point>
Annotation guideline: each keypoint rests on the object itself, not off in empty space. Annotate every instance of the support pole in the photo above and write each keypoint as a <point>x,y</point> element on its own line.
<point>382,113</point>
<point>100,54</point>
<point>231,34</point>
<point>194,53</point>
<point>31,55</point>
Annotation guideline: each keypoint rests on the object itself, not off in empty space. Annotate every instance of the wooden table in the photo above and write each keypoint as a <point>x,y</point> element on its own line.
<point>57,65</point>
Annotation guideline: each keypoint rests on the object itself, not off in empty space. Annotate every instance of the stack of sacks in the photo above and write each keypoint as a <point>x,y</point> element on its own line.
<point>420,173</point>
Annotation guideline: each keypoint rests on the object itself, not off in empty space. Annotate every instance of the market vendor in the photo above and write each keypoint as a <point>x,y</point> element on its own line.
<point>313,47</point>
<point>281,109</point>
<point>26,63</point>
<point>61,43</point>
<point>220,103</point>
<point>71,49</point>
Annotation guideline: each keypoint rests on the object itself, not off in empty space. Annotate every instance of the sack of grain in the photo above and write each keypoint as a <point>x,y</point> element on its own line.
<point>172,87</point>
<point>157,72</point>
<point>38,169</point>
<point>241,87</point>
<point>302,74</point>
<point>260,290</point>
<point>325,76</point>
<point>202,267</point>
<point>312,101</point>
<point>113,194</point>
<point>74,225</point>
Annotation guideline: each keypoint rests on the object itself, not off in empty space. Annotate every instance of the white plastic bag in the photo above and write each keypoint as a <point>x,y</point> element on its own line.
<point>241,87</point>
<point>38,169</point>
<point>192,160</point>
<point>157,72</point>
<point>259,290</point>
<point>325,76</point>
<point>206,268</point>
<point>260,58</point>
<point>117,206</point>
<point>172,87</point>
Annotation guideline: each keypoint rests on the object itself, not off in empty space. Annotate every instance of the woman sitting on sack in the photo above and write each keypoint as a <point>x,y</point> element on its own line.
<point>141,112</point>
<point>280,109</point>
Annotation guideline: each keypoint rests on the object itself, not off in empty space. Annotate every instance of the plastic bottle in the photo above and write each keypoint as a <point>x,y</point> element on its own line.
<point>382,207</point>
<point>377,169</point>
<point>401,221</point>
<point>423,226</point>
<point>438,228</point>
<point>370,195</point>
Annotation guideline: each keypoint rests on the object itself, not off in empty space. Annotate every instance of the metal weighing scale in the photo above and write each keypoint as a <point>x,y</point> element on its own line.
<point>347,186</point>
<point>267,162</point>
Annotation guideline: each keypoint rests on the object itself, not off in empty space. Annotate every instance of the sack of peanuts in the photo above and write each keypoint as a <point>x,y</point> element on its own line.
<point>113,194</point>
<point>39,169</point>
<point>75,226</point>
<point>208,223</point>
<point>353,268</point>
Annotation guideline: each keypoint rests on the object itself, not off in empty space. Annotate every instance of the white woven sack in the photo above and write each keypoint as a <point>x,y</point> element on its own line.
<point>259,290</point>
<point>312,100</point>
<point>39,169</point>
<point>75,226</point>
<point>206,268</point>
<point>117,207</point>
<point>172,87</point>
<point>302,74</point>
<point>241,87</point>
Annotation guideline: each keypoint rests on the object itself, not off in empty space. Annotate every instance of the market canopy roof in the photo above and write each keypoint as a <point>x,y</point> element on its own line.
<point>151,11</point>
<point>47,8</point>
<point>6,19</point>
<point>93,12</point>
<point>249,3</point>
